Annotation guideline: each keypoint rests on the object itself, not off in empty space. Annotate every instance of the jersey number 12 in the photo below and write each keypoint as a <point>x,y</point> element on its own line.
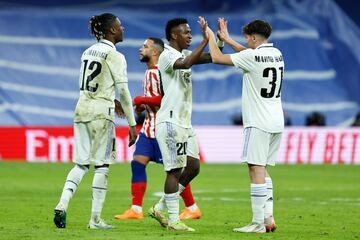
<point>265,93</point>
<point>92,76</point>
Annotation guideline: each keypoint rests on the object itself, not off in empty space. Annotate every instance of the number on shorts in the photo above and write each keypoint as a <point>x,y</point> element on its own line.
<point>181,148</point>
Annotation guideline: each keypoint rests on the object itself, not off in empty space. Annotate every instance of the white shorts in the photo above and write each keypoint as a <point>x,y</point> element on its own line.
<point>94,142</point>
<point>176,143</point>
<point>260,147</point>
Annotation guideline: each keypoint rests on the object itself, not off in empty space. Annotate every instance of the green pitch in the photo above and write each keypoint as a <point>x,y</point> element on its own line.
<point>311,202</point>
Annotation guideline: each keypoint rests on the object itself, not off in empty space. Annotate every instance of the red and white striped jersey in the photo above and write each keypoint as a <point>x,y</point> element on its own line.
<point>151,87</point>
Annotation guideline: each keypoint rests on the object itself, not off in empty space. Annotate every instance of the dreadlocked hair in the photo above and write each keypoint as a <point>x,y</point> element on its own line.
<point>101,24</point>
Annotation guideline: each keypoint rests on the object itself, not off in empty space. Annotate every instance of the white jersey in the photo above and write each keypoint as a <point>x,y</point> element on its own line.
<point>176,104</point>
<point>261,94</point>
<point>151,87</point>
<point>102,69</point>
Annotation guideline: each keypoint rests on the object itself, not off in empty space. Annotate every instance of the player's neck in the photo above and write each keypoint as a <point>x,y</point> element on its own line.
<point>174,44</point>
<point>151,63</point>
<point>258,43</point>
<point>110,39</point>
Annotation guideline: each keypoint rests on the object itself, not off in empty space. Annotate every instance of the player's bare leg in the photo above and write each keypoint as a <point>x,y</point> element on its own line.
<point>171,190</point>
<point>192,211</point>
<point>192,169</point>
<point>258,198</point>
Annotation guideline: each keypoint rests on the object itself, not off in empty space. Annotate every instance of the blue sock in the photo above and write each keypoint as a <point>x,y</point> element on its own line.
<point>138,172</point>
<point>138,183</point>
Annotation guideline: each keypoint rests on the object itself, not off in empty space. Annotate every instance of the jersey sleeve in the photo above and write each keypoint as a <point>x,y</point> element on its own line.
<point>167,60</point>
<point>243,59</point>
<point>118,67</point>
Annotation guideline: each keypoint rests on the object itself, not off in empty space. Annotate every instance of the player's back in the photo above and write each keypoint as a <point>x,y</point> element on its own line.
<point>96,82</point>
<point>261,95</point>
<point>176,104</point>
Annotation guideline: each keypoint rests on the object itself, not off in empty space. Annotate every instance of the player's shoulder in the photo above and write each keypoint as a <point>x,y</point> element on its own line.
<point>167,55</point>
<point>268,49</point>
<point>169,52</point>
<point>114,55</point>
<point>247,53</point>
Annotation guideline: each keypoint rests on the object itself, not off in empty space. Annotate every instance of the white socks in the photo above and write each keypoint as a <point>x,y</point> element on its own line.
<point>258,199</point>
<point>172,204</point>
<point>136,208</point>
<point>269,199</point>
<point>99,189</point>
<point>161,205</point>
<point>193,207</point>
<point>73,180</point>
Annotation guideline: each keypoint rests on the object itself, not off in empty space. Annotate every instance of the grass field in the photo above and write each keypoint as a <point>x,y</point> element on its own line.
<point>311,202</point>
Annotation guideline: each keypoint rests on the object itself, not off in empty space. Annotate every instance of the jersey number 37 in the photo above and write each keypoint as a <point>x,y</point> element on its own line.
<point>269,93</point>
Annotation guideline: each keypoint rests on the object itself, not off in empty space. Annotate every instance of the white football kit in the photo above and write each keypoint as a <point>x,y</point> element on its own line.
<point>262,111</point>
<point>102,70</point>
<point>174,132</point>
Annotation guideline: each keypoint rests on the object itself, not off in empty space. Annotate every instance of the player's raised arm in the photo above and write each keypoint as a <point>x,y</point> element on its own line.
<point>224,35</point>
<point>187,62</point>
<point>206,57</point>
<point>217,56</point>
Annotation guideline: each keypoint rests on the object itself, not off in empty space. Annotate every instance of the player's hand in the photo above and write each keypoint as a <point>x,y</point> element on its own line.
<point>132,135</point>
<point>222,32</point>
<point>118,109</point>
<point>139,108</point>
<point>204,25</point>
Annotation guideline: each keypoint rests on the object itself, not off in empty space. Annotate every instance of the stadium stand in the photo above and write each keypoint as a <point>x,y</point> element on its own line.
<point>40,58</point>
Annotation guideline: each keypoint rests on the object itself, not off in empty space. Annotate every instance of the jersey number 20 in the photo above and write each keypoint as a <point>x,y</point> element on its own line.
<point>92,76</point>
<point>265,93</point>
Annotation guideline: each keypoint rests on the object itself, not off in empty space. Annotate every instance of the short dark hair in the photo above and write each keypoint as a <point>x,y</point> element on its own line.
<point>258,27</point>
<point>172,24</point>
<point>159,44</point>
<point>101,24</point>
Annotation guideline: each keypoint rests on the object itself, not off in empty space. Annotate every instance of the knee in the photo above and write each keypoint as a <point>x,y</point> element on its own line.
<point>138,172</point>
<point>196,169</point>
<point>194,165</point>
<point>84,168</point>
<point>174,173</point>
<point>104,169</point>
